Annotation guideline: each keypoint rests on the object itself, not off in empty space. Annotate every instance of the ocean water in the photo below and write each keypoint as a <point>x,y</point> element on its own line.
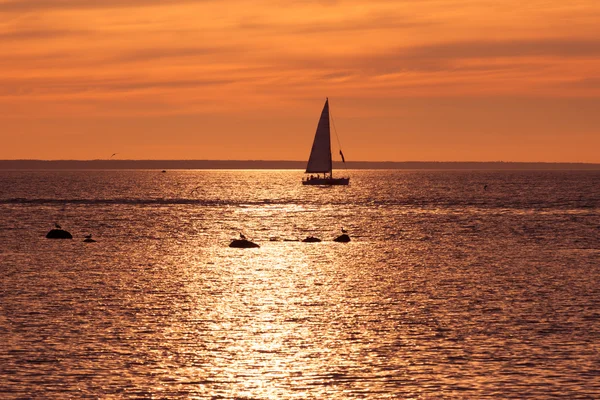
<point>447,289</point>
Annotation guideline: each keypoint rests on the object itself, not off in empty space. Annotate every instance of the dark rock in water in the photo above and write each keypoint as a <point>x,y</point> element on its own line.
<point>342,239</point>
<point>243,244</point>
<point>311,239</point>
<point>58,234</point>
<point>89,240</point>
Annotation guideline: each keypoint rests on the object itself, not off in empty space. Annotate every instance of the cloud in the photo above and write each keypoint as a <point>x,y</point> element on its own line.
<point>61,58</point>
<point>585,83</point>
<point>70,86</point>
<point>447,56</point>
<point>148,54</point>
<point>365,23</point>
<point>553,47</point>
<point>39,34</point>
<point>19,6</point>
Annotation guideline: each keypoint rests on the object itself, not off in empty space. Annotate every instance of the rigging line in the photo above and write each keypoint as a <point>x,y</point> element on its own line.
<point>336,135</point>
<point>334,129</point>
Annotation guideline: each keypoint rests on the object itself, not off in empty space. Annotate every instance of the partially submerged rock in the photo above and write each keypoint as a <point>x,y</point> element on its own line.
<point>243,244</point>
<point>58,234</point>
<point>342,239</point>
<point>311,239</point>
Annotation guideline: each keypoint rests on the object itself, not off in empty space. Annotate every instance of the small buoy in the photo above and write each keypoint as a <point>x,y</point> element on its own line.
<point>88,239</point>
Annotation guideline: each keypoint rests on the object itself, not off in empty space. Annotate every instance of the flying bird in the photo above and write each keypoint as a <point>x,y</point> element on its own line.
<point>113,154</point>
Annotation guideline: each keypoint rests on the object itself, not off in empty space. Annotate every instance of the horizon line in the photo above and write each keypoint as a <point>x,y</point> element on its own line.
<point>174,164</point>
<point>286,161</point>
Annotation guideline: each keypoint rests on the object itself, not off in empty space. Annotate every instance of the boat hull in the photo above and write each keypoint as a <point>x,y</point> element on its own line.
<point>326,181</point>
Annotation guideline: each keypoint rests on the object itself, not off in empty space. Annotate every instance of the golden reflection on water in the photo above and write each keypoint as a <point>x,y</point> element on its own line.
<point>288,320</point>
<point>271,316</point>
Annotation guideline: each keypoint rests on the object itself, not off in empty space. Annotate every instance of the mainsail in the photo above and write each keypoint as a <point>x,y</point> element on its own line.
<point>320,154</point>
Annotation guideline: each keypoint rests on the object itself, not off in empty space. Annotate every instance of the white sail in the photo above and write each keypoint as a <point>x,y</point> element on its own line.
<point>320,155</point>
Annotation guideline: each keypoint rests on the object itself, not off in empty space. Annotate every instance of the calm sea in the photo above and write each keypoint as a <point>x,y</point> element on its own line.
<point>447,289</point>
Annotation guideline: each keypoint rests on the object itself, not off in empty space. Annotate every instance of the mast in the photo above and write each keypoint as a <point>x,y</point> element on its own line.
<point>320,154</point>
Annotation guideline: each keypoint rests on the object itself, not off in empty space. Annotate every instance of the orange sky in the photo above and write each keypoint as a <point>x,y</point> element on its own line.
<point>446,80</point>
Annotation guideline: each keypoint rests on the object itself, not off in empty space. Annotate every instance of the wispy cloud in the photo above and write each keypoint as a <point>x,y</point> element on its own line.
<point>368,22</point>
<point>585,83</point>
<point>451,56</point>
<point>553,47</point>
<point>148,54</point>
<point>447,56</point>
<point>46,5</point>
<point>40,34</point>
<point>68,86</point>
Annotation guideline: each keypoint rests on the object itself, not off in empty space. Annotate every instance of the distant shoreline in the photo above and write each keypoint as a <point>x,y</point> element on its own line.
<point>260,164</point>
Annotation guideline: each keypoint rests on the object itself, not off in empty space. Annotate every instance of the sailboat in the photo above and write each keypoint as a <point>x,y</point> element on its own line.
<point>319,161</point>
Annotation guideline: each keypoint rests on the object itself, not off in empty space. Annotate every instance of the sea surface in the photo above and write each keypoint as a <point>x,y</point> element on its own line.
<point>448,290</point>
